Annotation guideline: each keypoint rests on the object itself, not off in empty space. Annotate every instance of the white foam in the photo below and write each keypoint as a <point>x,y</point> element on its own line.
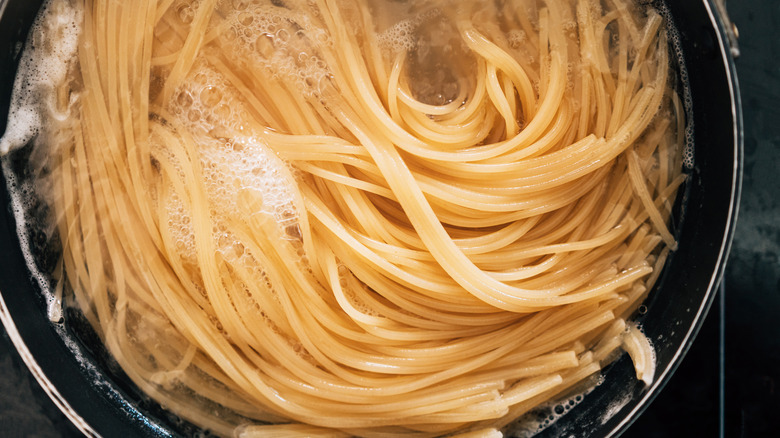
<point>283,42</point>
<point>399,37</point>
<point>51,47</point>
<point>19,209</point>
<point>546,415</point>
<point>242,176</point>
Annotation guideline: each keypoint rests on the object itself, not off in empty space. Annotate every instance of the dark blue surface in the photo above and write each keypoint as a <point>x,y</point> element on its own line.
<point>749,312</point>
<point>691,404</point>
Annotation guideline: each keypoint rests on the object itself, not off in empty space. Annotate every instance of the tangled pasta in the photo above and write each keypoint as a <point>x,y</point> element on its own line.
<point>365,217</point>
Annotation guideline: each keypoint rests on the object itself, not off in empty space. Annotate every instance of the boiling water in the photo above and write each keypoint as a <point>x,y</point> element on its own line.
<point>237,167</point>
<point>44,66</point>
<point>54,39</point>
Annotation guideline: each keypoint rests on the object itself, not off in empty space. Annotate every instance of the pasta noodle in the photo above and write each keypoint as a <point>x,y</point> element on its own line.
<point>365,217</point>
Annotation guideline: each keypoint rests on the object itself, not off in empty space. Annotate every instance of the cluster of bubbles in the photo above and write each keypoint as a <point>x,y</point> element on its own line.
<point>54,44</point>
<point>35,234</point>
<point>545,416</point>
<point>353,290</point>
<point>242,176</point>
<point>559,410</point>
<point>44,66</point>
<point>185,10</point>
<point>403,35</point>
<point>437,59</point>
<point>283,42</point>
<point>206,103</point>
<point>180,226</point>
<point>399,37</point>
<point>244,179</point>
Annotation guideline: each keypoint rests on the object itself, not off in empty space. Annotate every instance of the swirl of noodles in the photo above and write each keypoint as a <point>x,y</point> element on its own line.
<point>365,217</point>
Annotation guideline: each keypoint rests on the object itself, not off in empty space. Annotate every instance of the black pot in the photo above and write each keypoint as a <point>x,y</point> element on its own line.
<point>79,376</point>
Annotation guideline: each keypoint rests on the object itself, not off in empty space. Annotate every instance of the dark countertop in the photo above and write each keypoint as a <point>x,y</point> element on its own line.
<point>702,398</point>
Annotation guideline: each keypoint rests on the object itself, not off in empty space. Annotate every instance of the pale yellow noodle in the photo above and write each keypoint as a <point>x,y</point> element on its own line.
<point>411,267</point>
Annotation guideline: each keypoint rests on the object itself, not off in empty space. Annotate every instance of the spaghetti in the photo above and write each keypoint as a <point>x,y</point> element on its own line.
<point>365,217</point>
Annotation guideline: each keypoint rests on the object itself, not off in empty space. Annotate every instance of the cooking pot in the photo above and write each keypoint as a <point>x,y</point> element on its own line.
<point>71,365</point>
